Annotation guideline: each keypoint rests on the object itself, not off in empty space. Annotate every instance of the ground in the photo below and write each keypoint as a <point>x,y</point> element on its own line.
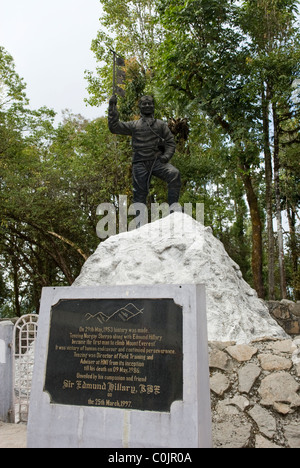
<point>12,435</point>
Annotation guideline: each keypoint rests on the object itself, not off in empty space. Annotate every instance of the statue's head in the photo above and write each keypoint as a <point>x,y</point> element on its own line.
<point>146,105</point>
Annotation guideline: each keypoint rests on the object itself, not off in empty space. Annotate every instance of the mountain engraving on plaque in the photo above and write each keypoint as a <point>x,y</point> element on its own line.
<point>124,313</point>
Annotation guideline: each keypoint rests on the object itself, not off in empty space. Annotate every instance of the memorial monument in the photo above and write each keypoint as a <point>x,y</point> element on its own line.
<point>121,367</point>
<point>124,366</point>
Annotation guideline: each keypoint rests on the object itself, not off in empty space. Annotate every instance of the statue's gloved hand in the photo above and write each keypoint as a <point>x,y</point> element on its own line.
<point>113,101</point>
<point>164,159</point>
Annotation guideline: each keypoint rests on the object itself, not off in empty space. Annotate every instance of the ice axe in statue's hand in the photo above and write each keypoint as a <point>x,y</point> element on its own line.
<point>118,74</point>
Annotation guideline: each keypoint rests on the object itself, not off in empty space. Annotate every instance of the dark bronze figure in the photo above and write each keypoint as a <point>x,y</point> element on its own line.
<point>153,147</point>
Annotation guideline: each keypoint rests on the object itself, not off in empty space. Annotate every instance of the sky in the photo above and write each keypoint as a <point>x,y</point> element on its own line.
<point>50,42</point>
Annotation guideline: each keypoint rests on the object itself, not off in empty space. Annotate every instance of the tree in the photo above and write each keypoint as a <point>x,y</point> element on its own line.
<point>52,181</point>
<point>49,206</point>
<point>21,131</point>
<point>237,61</point>
<point>131,28</point>
<point>289,135</point>
<point>204,59</point>
<point>275,58</point>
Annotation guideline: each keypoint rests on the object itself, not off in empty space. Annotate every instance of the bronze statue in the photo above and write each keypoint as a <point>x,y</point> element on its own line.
<point>153,146</point>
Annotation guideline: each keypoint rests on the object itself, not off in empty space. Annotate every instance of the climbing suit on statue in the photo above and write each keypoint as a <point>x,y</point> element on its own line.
<point>153,146</point>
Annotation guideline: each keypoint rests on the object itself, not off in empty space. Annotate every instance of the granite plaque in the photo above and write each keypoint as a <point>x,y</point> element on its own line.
<point>121,367</point>
<point>115,353</point>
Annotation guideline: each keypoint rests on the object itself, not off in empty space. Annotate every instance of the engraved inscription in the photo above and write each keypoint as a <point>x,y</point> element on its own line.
<point>115,353</point>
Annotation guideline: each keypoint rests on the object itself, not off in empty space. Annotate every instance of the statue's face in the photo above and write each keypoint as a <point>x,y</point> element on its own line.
<point>147,106</point>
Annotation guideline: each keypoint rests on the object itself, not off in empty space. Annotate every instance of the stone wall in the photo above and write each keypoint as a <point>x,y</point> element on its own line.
<point>287,314</point>
<point>255,393</point>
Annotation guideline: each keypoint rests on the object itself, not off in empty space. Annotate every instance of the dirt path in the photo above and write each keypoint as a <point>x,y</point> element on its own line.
<point>12,435</point>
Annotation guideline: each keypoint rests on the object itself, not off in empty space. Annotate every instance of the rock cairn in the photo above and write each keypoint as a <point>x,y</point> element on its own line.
<point>179,250</point>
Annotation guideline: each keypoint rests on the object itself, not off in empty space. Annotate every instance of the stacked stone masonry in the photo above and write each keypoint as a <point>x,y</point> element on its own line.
<point>255,393</point>
<point>287,315</point>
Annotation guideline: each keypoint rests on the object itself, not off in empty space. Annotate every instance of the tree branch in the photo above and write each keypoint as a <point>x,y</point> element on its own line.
<point>67,241</point>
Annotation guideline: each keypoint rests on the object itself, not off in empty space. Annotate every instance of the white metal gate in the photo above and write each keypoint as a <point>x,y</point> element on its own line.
<point>25,333</point>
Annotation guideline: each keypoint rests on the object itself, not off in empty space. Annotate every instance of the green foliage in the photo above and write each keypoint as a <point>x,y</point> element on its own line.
<point>207,62</point>
<point>221,56</point>
<point>52,181</point>
<point>131,28</point>
<point>49,205</point>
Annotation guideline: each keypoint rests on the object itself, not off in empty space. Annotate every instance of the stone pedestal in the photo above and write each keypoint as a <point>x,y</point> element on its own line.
<point>121,367</point>
<point>6,371</point>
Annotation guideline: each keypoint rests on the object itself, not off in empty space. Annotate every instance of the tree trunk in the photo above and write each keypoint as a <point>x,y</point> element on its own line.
<point>15,271</point>
<point>269,193</point>
<point>257,245</point>
<point>278,204</point>
<point>294,252</point>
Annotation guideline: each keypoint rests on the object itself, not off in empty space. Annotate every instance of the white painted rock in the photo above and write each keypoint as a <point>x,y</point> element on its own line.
<point>179,250</point>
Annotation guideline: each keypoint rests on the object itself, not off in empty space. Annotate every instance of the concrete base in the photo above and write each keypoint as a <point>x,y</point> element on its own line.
<point>187,425</point>
<point>6,371</point>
